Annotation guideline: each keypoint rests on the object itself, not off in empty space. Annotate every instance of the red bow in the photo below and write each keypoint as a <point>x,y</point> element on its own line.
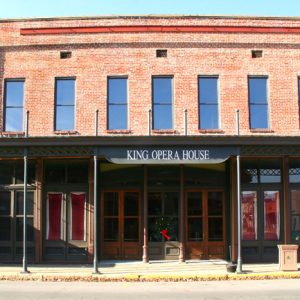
<point>164,232</point>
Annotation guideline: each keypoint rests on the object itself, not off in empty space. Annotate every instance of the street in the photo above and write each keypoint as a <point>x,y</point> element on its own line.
<point>260,289</point>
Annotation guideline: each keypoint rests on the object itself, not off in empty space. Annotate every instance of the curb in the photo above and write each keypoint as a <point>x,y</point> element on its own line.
<point>149,278</point>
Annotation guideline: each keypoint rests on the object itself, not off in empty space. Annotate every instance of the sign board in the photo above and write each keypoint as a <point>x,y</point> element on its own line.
<point>167,155</point>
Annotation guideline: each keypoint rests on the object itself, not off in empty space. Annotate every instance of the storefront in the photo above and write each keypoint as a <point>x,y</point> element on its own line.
<point>154,202</point>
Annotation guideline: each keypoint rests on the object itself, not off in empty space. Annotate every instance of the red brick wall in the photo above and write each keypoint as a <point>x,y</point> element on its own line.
<point>96,56</point>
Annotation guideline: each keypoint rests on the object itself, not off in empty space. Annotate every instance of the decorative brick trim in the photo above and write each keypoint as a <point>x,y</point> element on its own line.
<point>158,28</point>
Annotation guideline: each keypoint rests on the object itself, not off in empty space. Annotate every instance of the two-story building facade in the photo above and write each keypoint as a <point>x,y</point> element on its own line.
<point>139,115</point>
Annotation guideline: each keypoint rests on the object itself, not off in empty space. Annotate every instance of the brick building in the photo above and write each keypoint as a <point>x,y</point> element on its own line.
<point>139,116</point>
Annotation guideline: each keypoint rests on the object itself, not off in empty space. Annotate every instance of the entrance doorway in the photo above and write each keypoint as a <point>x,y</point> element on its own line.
<point>121,225</point>
<point>205,219</point>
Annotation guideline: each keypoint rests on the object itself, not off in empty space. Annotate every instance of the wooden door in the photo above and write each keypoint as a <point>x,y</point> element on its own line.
<point>205,219</point>
<point>121,225</point>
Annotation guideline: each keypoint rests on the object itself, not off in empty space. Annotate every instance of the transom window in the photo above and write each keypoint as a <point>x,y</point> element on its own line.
<point>117,103</point>
<point>258,102</point>
<point>162,99</point>
<point>208,102</point>
<point>64,103</point>
<point>14,101</point>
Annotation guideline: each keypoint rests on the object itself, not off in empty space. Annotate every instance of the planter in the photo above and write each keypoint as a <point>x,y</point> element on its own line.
<point>231,267</point>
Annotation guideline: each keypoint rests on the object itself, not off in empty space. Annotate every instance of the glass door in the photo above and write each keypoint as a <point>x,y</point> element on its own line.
<point>205,224</point>
<point>121,233</point>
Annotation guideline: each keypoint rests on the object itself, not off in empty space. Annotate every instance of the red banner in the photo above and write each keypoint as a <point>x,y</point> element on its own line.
<point>54,217</point>
<point>77,217</point>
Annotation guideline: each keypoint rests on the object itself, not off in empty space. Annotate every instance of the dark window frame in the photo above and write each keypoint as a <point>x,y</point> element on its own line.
<point>208,104</point>
<point>21,80</point>
<point>116,104</point>
<point>251,104</point>
<point>73,78</point>
<point>171,77</point>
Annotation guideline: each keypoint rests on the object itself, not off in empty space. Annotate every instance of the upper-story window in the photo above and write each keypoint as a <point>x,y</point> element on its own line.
<point>117,103</point>
<point>162,100</point>
<point>258,102</point>
<point>208,102</point>
<point>14,101</point>
<point>64,103</point>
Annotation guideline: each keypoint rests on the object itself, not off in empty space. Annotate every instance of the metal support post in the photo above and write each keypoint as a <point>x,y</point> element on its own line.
<point>96,271</point>
<point>25,271</point>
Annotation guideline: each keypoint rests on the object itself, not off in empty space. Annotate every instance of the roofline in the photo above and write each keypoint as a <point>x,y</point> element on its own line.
<point>151,16</point>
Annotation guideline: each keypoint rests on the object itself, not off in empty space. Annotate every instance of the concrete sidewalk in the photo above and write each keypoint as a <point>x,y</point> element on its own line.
<point>192,270</point>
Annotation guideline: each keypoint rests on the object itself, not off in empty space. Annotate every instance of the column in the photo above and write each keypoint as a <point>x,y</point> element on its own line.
<point>145,217</point>
<point>181,218</point>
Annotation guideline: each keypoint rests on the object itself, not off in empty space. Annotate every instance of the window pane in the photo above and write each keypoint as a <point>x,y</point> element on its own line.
<point>215,204</point>
<point>295,199</point>
<point>117,117</point>
<point>5,203</point>
<point>258,90</point>
<point>171,204</point>
<point>111,231</point>
<point>131,230</point>
<point>195,204</point>
<point>209,117</point>
<point>258,116</point>
<point>55,173</point>
<point>270,171</point>
<point>14,119</point>
<point>294,170</point>
<point>153,231</point>
<point>111,204</point>
<point>77,217</point>
<point>7,171</point>
<point>14,93</point>
<point>154,204</point>
<point>249,215</point>
<point>195,230</point>
<point>208,90</point>
<point>162,117</point>
<point>19,203</point>
<point>77,172</point>
<point>271,215</point>
<point>65,91</point>
<point>5,227</point>
<point>131,204</point>
<point>64,118</point>
<point>162,90</point>
<point>249,172</point>
<point>19,229</point>
<point>117,90</point>
<point>20,172</point>
<point>215,229</point>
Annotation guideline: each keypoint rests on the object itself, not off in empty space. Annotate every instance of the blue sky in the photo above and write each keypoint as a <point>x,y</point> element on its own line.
<point>56,8</point>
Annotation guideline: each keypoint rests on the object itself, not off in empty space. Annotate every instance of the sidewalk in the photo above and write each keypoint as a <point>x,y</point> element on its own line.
<point>192,270</point>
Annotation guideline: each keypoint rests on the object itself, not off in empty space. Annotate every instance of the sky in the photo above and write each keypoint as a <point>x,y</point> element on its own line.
<point>60,8</point>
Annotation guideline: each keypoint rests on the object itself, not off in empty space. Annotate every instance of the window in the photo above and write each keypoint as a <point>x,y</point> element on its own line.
<point>14,101</point>
<point>64,104</point>
<point>208,102</point>
<point>117,103</point>
<point>258,102</point>
<point>162,99</point>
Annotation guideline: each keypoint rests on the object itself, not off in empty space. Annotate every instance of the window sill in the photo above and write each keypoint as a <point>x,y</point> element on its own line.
<point>66,132</point>
<point>13,133</point>
<point>261,130</point>
<point>163,131</point>
<point>208,131</point>
<point>118,131</point>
